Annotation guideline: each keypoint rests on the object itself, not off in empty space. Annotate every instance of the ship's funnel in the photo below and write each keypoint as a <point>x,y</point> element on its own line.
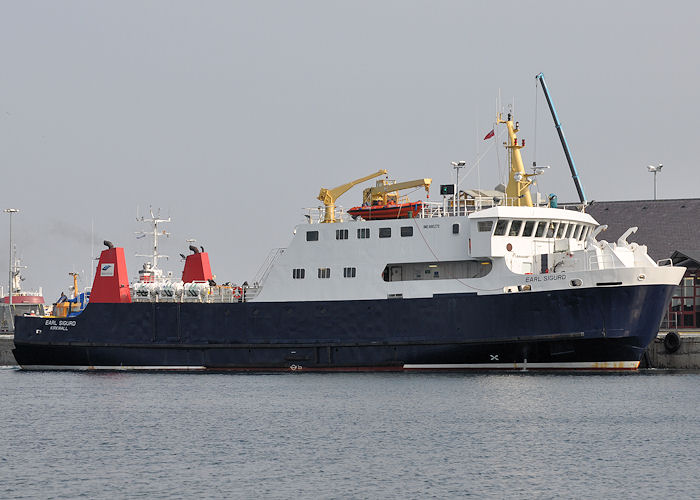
<point>111,282</point>
<point>197,267</point>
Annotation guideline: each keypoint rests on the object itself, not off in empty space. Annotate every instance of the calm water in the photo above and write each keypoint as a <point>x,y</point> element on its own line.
<point>69,435</point>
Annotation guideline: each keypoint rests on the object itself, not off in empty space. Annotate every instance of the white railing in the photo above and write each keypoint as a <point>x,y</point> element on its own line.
<point>204,294</point>
<point>316,215</point>
<point>445,208</point>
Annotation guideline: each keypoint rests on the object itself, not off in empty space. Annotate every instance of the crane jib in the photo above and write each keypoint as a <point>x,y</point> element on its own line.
<point>562,138</point>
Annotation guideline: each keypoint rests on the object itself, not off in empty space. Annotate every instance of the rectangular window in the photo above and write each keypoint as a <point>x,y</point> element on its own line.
<point>455,228</point>
<point>529,227</point>
<point>541,226</point>
<point>577,231</point>
<point>569,230</point>
<point>501,227</point>
<point>551,229</point>
<point>385,232</point>
<point>562,228</point>
<point>341,234</point>
<point>363,233</point>
<point>298,274</point>
<point>515,228</point>
<point>324,272</point>
<point>311,235</point>
<point>485,226</point>
<point>406,230</point>
<point>349,272</point>
<point>584,233</point>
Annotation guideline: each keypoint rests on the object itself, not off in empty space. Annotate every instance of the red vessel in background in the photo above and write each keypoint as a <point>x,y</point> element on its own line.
<point>23,302</point>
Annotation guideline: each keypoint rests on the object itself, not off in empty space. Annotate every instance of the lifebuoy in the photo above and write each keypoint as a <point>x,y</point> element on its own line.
<point>237,292</point>
<point>672,342</point>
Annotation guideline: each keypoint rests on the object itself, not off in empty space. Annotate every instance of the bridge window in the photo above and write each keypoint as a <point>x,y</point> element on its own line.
<point>577,231</point>
<point>501,226</point>
<point>341,234</point>
<point>324,272</point>
<point>385,232</point>
<point>584,233</point>
<point>569,230</point>
<point>298,274</point>
<point>311,235</point>
<point>551,229</point>
<point>363,233</point>
<point>406,230</point>
<point>529,227</point>
<point>541,226</point>
<point>515,228</point>
<point>562,228</point>
<point>484,226</point>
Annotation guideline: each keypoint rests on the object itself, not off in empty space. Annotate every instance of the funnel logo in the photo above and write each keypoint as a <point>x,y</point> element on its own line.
<point>107,270</point>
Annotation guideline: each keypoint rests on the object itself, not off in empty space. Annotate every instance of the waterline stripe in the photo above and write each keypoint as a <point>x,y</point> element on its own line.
<point>578,365</point>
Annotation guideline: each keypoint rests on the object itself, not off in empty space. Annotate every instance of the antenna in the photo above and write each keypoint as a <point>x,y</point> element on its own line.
<point>154,220</point>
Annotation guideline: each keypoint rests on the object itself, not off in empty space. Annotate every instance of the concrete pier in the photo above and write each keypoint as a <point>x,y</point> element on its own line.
<point>664,355</point>
<point>6,346</point>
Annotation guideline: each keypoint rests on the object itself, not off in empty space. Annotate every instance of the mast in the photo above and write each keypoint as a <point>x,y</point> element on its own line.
<point>154,220</point>
<point>518,188</point>
<point>560,131</point>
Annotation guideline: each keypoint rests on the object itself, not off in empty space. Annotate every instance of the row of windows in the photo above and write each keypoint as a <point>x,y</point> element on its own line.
<point>324,273</point>
<point>540,229</point>
<point>364,233</point>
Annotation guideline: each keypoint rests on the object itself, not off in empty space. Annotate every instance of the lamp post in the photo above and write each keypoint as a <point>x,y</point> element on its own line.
<point>655,170</point>
<point>10,211</point>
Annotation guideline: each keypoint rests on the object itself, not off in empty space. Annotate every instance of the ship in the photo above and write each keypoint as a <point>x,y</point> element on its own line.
<point>23,302</point>
<point>465,283</point>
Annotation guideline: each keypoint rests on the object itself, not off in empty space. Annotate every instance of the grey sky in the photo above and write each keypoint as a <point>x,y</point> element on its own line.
<point>230,116</point>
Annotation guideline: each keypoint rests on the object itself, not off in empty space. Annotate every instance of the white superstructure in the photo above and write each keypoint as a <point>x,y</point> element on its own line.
<point>500,249</point>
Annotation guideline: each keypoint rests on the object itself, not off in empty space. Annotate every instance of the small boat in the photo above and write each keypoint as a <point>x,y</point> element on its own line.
<point>390,211</point>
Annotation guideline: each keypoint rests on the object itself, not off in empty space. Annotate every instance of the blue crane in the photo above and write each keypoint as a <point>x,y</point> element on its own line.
<point>560,131</point>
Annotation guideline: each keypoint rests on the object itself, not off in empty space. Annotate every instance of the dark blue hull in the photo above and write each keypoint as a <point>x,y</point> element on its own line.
<point>582,328</point>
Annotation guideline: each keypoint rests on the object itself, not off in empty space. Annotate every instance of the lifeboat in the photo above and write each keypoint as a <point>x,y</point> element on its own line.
<point>390,211</point>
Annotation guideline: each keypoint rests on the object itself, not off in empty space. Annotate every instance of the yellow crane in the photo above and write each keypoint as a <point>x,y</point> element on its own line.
<point>328,196</point>
<point>385,193</point>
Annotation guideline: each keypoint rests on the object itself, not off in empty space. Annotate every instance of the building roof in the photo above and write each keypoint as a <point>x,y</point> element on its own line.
<point>665,226</point>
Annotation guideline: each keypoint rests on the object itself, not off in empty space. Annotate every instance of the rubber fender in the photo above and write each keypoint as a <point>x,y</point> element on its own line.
<point>672,342</point>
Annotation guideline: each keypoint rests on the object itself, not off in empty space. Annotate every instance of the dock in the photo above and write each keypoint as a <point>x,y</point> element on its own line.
<point>664,355</point>
<point>686,356</point>
<point>6,346</point>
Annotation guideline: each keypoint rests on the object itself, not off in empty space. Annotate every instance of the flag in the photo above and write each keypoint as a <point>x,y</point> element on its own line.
<point>489,135</point>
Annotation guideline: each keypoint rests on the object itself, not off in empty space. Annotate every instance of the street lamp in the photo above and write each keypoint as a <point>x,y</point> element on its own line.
<point>656,170</point>
<point>9,295</point>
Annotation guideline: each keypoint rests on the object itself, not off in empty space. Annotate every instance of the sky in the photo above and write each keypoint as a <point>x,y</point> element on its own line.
<point>230,116</point>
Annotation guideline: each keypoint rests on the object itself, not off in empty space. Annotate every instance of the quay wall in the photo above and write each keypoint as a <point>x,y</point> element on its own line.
<point>685,357</point>
<point>6,346</point>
